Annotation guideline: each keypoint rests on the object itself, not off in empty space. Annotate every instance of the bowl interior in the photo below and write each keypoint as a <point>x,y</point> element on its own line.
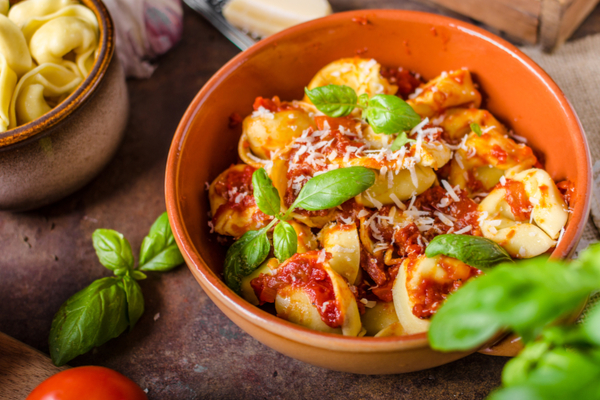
<point>515,90</point>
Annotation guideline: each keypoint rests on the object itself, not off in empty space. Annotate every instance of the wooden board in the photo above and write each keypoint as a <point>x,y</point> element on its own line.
<point>548,22</point>
<point>22,368</point>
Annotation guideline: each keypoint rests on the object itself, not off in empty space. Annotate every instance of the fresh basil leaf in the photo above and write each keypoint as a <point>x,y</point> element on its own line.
<point>475,251</point>
<point>138,275</point>
<point>159,251</point>
<point>524,297</point>
<point>266,196</point>
<point>476,128</point>
<point>88,319</point>
<point>332,188</point>
<point>244,256</point>
<point>559,373</point>
<point>390,114</point>
<point>333,100</point>
<point>285,241</point>
<point>113,250</point>
<point>400,141</point>
<point>135,300</point>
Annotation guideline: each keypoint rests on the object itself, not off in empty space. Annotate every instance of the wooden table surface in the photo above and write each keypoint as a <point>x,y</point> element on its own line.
<point>183,347</point>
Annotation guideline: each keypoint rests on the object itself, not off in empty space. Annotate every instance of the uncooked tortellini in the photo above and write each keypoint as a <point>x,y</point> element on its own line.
<point>61,36</point>
<point>47,48</point>
<point>39,90</point>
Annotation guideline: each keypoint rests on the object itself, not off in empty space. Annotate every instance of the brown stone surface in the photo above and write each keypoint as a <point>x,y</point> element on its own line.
<point>183,347</point>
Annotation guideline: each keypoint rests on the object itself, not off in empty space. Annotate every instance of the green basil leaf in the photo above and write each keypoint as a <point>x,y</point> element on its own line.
<point>400,141</point>
<point>476,128</point>
<point>475,251</point>
<point>88,319</point>
<point>333,100</point>
<point>524,297</point>
<point>332,188</point>
<point>138,275</point>
<point>559,373</point>
<point>159,251</point>
<point>390,114</point>
<point>244,256</point>
<point>135,300</point>
<point>285,241</point>
<point>113,250</point>
<point>265,194</point>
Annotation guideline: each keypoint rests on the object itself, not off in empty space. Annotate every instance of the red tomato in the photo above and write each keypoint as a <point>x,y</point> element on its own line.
<point>90,383</point>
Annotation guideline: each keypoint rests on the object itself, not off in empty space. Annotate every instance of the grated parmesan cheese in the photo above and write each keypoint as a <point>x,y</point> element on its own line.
<point>397,201</point>
<point>450,190</point>
<point>466,229</point>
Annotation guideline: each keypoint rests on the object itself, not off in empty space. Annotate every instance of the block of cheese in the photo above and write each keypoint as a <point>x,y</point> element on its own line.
<point>265,17</point>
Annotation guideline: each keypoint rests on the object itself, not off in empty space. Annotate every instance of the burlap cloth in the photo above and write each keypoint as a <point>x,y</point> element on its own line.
<point>575,67</point>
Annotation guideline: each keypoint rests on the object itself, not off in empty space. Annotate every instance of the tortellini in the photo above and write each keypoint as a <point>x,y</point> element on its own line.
<point>13,47</point>
<point>49,46</point>
<point>417,279</point>
<point>360,268</point>
<point>266,132</point>
<point>448,90</point>
<point>343,243</point>
<point>525,215</point>
<point>480,162</point>
<point>361,74</point>
<point>61,36</point>
<point>8,81</point>
<point>233,209</point>
<point>48,82</point>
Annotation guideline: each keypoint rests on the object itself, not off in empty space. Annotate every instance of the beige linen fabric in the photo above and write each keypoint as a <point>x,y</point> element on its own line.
<point>575,67</point>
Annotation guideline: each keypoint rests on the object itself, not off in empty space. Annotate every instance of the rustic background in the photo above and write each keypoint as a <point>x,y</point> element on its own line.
<point>183,347</point>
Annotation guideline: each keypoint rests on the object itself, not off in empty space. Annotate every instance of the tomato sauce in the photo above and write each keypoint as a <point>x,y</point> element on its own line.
<point>463,211</point>
<point>306,272</point>
<point>499,154</point>
<point>324,122</point>
<point>567,189</point>
<point>406,81</point>
<point>273,105</point>
<point>407,243</point>
<point>430,293</point>
<point>517,199</point>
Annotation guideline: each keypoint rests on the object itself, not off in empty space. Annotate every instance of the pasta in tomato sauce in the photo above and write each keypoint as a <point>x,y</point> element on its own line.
<point>360,268</point>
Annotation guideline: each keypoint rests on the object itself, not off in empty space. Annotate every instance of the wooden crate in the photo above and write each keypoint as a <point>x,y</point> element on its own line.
<point>548,22</point>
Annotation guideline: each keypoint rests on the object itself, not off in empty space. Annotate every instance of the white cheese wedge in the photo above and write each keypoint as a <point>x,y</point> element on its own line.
<point>266,17</point>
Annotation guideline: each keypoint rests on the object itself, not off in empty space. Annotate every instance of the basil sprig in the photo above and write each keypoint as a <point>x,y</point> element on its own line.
<point>385,113</point>
<point>475,251</point>
<point>104,309</point>
<point>322,192</point>
<point>558,362</point>
<point>159,252</point>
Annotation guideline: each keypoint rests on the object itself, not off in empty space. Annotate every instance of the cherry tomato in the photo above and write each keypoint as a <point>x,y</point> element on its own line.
<point>89,383</point>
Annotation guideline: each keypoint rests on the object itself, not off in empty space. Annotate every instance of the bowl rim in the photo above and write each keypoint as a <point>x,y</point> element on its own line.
<point>215,286</point>
<point>42,126</point>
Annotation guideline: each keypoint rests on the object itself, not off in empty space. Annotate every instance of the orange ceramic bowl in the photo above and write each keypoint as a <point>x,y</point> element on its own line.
<point>516,90</point>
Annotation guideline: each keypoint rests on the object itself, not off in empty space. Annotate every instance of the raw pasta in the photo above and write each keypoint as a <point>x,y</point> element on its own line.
<point>47,48</point>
